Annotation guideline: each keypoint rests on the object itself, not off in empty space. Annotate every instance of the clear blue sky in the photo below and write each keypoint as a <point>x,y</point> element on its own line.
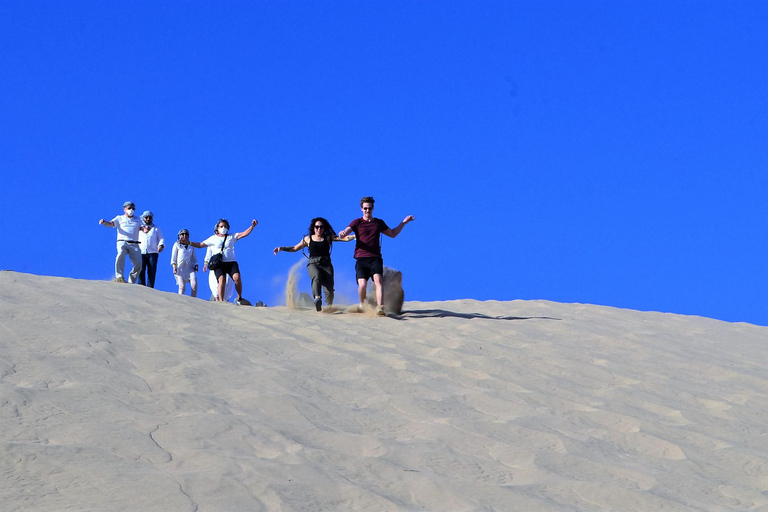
<point>577,151</point>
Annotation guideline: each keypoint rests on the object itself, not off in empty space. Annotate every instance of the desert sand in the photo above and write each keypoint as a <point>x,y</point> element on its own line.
<point>122,398</point>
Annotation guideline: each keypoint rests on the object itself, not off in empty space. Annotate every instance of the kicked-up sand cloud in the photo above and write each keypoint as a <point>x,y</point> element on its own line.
<point>117,397</point>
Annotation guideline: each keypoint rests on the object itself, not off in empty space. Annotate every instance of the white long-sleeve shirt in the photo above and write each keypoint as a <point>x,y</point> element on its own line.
<point>184,257</point>
<point>151,241</point>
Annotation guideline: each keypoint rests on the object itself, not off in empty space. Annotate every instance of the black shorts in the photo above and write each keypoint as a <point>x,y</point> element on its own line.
<point>227,267</point>
<point>365,268</point>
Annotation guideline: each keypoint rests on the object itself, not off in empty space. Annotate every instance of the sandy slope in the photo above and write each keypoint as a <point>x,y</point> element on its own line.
<point>118,397</point>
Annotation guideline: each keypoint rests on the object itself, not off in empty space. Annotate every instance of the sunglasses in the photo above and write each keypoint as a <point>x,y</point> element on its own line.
<point>319,226</point>
<point>366,209</point>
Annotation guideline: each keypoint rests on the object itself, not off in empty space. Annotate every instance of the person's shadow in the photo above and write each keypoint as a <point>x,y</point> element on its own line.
<point>442,313</point>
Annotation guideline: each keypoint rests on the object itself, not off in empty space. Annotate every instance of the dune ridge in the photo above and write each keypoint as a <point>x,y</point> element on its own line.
<point>117,397</point>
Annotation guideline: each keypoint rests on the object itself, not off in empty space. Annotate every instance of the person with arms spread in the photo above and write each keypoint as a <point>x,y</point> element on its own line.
<point>319,240</point>
<point>369,264</point>
<point>223,243</point>
<point>128,228</point>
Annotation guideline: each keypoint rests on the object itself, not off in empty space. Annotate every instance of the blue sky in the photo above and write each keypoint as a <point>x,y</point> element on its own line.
<point>576,151</point>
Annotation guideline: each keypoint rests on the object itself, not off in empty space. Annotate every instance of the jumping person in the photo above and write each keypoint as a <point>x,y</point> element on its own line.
<point>319,240</point>
<point>222,243</point>
<point>369,262</point>
<point>128,228</point>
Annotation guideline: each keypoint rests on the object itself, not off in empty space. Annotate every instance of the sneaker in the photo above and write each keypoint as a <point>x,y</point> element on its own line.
<point>242,302</point>
<point>119,279</point>
<point>381,311</point>
<point>318,304</point>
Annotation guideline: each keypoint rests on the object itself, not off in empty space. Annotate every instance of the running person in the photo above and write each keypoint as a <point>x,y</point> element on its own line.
<point>319,240</point>
<point>370,264</point>
<point>223,243</point>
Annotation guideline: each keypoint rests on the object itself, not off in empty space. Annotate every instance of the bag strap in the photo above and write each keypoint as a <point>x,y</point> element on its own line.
<point>224,242</point>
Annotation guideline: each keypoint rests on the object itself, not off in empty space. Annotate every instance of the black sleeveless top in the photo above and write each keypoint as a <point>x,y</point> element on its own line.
<point>319,249</point>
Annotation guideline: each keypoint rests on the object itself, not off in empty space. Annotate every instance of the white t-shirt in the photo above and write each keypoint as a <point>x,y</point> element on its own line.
<point>151,241</point>
<point>214,242</point>
<point>127,227</point>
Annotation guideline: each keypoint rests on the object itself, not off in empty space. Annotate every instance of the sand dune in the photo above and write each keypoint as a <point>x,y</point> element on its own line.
<point>119,397</point>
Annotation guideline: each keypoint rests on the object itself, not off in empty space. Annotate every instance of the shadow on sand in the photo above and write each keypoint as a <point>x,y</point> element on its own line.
<point>442,313</point>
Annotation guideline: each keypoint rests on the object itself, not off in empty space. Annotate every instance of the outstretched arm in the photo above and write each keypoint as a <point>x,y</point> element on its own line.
<point>394,232</point>
<point>304,243</point>
<point>107,223</point>
<point>205,261</point>
<point>247,231</point>
<point>344,239</point>
<point>344,232</point>
<point>198,245</point>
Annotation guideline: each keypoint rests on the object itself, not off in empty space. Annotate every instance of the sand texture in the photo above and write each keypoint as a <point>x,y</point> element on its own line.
<point>121,398</point>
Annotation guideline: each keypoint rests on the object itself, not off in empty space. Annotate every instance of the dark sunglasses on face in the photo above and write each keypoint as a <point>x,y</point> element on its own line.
<point>319,226</point>
<point>366,209</point>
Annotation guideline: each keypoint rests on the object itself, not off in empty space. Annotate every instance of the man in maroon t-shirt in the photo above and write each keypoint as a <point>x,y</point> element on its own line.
<point>369,263</point>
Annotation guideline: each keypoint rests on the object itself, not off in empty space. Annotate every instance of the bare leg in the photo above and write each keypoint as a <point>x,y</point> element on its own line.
<point>361,285</point>
<point>379,288</point>
<point>222,286</point>
<point>238,285</point>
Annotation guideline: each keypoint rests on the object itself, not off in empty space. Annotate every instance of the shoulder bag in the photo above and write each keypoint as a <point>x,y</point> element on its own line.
<point>218,258</point>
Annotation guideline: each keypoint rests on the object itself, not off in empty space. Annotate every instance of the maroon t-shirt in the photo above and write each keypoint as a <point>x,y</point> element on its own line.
<point>368,233</point>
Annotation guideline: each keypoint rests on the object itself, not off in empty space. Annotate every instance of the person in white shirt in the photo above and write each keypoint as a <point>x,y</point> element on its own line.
<point>223,243</point>
<point>128,228</point>
<point>152,243</point>
<point>229,287</point>
<point>184,263</point>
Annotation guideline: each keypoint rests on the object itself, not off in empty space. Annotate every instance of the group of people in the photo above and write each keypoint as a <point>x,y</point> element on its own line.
<point>141,241</point>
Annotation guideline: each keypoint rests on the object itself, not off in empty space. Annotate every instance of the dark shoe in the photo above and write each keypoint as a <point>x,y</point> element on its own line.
<point>318,304</point>
<point>242,302</point>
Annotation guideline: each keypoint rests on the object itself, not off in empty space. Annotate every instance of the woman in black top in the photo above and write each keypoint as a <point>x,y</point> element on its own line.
<point>319,239</point>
